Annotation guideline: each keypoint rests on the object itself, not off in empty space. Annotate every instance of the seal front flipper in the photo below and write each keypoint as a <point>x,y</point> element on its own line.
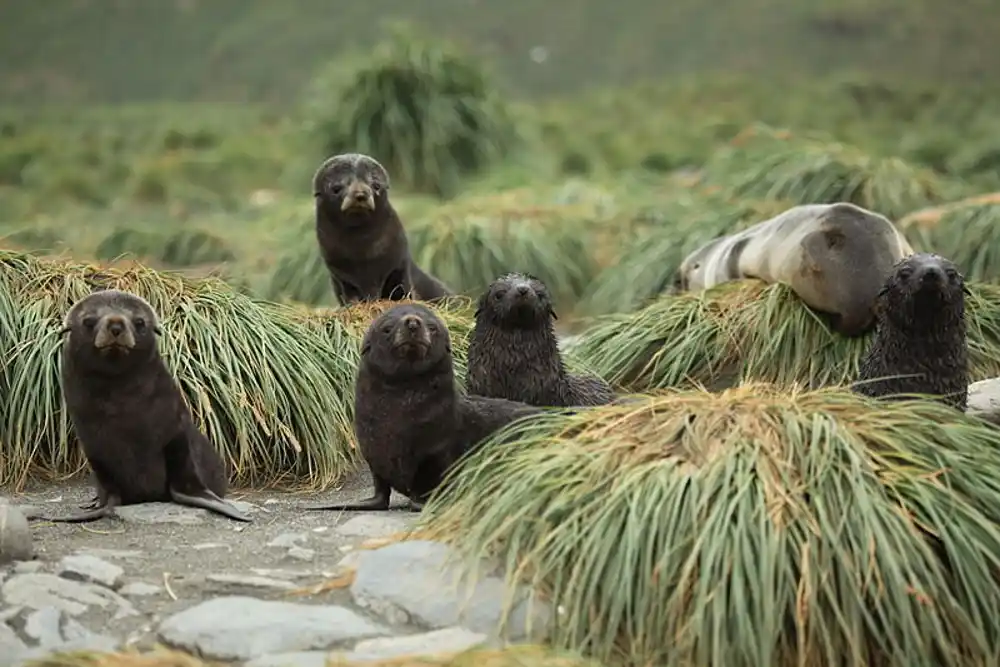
<point>378,501</point>
<point>185,484</point>
<point>212,503</point>
<point>107,508</point>
<point>416,506</point>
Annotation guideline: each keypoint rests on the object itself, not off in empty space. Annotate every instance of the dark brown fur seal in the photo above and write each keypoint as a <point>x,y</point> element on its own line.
<point>833,256</point>
<point>411,421</point>
<point>361,239</point>
<point>514,353</point>
<point>920,344</point>
<point>129,414</point>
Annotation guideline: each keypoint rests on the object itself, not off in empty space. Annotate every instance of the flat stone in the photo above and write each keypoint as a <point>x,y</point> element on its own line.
<point>31,511</point>
<point>109,553</point>
<point>300,553</point>
<point>15,535</point>
<point>95,643</point>
<point>244,628</point>
<point>300,659</point>
<point>153,513</point>
<point>211,545</point>
<point>11,645</point>
<point>984,400</point>
<point>375,526</point>
<point>250,581</point>
<point>138,589</point>
<point>288,540</point>
<point>84,567</point>
<point>436,642</point>
<point>37,591</point>
<point>28,567</point>
<point>42,626</point>
<point>417,582</point>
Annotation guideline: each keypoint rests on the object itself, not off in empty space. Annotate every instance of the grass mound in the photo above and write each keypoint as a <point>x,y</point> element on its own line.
<point>747,330</point>
<point>763,163</point>
<point>757,526</point>
<point>185,247</point>
<point>424,109</point>
<point>967,232</point>
<point>273,392</point>
<point>514,656</point>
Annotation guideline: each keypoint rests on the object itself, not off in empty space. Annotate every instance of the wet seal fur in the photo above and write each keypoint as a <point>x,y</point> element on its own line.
<point>411,421</point>
<point>920,344</point>
<point>514,352</point>
<point>129,414</point>
<point>361,238</point>
<point>834,256</point>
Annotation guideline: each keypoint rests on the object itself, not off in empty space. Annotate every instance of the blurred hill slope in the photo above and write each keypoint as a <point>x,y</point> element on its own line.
<point>111,51</point>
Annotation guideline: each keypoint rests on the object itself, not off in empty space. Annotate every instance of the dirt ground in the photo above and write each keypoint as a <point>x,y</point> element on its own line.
<point>180,557</point>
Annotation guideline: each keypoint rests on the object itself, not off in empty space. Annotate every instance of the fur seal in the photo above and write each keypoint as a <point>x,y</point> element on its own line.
<point>361,238</point>
<point>129,414</point>
<point>920,344</point>
<point>834,256</point>
<point>411,421</point>
<point>514,352</point>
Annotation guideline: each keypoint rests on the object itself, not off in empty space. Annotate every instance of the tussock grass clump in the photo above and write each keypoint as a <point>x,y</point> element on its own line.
<point>185,247</point>
<point>272,392</point>
<point>648,264</point>
<point>967,232</point>
<point>767,164</point>
<point>423,108</point>
<point>757,526</point>
<point>514,656</point>
<point>747,330</point>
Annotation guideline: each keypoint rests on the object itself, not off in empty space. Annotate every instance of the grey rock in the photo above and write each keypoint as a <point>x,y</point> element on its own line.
<point>109,553</point>
<point>31,511</point>
<point>984,400</point>
<point>15,535</point>
<point>152,513</point>
<point>300,553</point>
<point>9,613</point>
<point>84,567</point>
<point>11,645</point>
<point>28,567</point>
<point>211,545</point>
<point>243,506</point>
<point>436,642</point>
<point>96,643</point>
<point>300,659</point>
<point>375,526</point>
<point>243,628</point>
<point>250,582</point>
<point>72,631</point>
<point>138,589</point>
<point>418,582</point>
<point>41,590</point>
<point>288,540</point>
<point>42,626</point>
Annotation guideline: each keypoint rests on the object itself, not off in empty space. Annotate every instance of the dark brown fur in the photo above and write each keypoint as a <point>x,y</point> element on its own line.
<point>129,414</point>
<point>361,238</point>
<point>411,421</point>
<point>514,353</point>
<point>920,344</point>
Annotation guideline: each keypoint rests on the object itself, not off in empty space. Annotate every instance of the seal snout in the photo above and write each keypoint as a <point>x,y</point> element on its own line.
<point>358,196</point>
<point>411,334</point>
<point>930,274</point>
<point>114,333</point>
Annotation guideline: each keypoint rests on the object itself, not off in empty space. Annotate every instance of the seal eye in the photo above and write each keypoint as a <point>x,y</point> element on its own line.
<point>432,328</point>
<point>337,190</point>
<point>499,294</point>
<point>139,323</point>
<point>905,273</point>
<point>376,188</point>
<point>387,329</point>
<point>952,274</point>
<point>90,322</point>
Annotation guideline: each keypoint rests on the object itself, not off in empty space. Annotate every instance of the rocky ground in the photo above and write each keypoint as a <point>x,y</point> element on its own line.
<point>244,593</point>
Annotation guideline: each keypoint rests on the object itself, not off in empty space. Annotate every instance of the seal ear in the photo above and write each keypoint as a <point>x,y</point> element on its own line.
<point>366,348</point>
<point>157,330</point>
<point>552,312</point>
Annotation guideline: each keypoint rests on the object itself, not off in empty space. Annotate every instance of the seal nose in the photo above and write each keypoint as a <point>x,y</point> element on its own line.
<point>412,322</point>
<point>116,329</point>
<point>523,290</point>
<point>931,274</point>
<point>360,195</point>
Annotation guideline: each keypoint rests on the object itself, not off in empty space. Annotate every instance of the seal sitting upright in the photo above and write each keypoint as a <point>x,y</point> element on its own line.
<point>411,421</point>
<point>361,239</point>
<point>920,344</point>
<point>514,353</point>
<point>129,415</point>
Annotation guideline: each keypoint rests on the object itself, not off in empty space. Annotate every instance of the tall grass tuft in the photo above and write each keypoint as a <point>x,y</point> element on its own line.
<point>759,526</point>
<point>427,111</point>
<point>747,330</point>
<point>272,390</point>
<point>967,232</point>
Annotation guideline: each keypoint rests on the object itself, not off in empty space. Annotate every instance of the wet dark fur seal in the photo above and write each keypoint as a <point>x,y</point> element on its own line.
<point>834,256</point>
<point>920,334</point>
<point>129,414</point>
<point>411,421</point>
<point>514,352</point>
<point>361,239</point>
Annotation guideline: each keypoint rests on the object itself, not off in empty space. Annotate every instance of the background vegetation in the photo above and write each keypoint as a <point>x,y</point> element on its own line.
<point>168,148</point>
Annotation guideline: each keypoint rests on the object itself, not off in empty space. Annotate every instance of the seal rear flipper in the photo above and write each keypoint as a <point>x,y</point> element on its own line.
<point>212,503</point>
<point>101,510</point>
<point>378,501</point>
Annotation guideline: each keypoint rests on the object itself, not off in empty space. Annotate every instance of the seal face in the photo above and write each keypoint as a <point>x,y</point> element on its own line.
<point>350,187</point>
<point>514,353</point>
<point>920,344</point>
<point>411,422</point>
<point>129,414</point>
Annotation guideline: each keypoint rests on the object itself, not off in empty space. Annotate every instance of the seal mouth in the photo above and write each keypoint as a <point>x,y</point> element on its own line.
<point>349,205</point>
<point>413,349</point>
<point>113,349</point>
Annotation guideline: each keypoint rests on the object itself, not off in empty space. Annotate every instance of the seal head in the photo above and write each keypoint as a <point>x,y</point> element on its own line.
<point>350,187</point>
<point>408,340</point>
<point>516,301</point>
<point>924,292</point>
<point>111,332</point>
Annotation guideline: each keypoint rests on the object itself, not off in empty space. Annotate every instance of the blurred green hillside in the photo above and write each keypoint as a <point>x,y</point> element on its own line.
<point>112,51</point>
